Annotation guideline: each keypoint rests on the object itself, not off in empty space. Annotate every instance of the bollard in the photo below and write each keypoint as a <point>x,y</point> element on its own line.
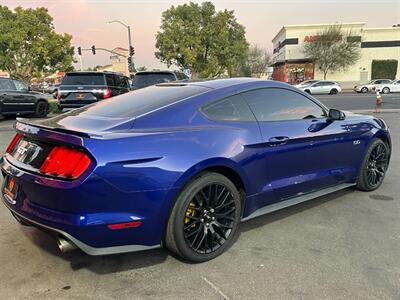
<point>379,101</point>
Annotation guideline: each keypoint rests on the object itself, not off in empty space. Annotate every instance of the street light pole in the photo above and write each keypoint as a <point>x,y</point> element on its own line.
<point>129,36</point>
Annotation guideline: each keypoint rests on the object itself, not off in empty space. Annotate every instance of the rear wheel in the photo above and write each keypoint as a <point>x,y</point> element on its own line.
<point>364,90</point>
<point>205,218</point>
<point>42,109</point>
<point>374,166</point>
<point>333,91</point>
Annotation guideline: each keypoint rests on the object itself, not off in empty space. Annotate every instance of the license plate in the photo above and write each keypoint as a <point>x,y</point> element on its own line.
<point>10,188</point>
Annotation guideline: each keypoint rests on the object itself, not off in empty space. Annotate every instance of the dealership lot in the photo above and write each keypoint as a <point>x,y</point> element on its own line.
<point>345,245</point>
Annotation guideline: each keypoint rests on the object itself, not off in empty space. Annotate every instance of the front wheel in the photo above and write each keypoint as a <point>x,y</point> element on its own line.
<point>385,90</point>
<point>205,218</point>
<point>364,90</point>
<point>308,92</point>
<point>375,164</point>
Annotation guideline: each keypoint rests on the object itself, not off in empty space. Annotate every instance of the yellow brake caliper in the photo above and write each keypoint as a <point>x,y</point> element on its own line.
<point>190,212</point>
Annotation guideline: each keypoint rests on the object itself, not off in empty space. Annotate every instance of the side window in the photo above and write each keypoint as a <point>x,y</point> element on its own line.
<point>378,82</point>
<point>110,80</point>
<point>232,108</point>
<point>20,86</point>
<point>275,104</point>
<point>7,85</point>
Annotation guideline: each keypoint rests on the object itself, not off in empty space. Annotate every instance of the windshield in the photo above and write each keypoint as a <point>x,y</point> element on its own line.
<point>83,79</point>
<point>146,79</point>
<point>142,101</point>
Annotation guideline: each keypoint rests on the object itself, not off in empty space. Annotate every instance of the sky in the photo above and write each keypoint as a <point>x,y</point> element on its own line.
<point>87,20</point>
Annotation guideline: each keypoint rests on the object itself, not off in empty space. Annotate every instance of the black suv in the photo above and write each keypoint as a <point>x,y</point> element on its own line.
<point>78,89</point>
<point>147,78</point>
<point>16,98</point>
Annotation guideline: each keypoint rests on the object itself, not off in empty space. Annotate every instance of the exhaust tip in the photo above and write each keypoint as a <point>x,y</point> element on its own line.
<point>65,245</point>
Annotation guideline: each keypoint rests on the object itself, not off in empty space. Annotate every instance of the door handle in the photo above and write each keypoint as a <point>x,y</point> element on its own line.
<point>278,140</point>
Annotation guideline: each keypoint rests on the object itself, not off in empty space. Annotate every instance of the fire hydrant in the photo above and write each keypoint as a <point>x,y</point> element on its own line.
<point>379,101</point>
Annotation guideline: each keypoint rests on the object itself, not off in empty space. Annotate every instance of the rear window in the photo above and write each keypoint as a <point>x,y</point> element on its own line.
<point>83,79</point>
<point>142,101</point>
<point>146,79</point>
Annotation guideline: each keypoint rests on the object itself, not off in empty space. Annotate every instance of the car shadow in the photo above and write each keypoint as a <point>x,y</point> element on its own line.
<point>105,264</point>
<point>292,210</point>
<point>109,264</point>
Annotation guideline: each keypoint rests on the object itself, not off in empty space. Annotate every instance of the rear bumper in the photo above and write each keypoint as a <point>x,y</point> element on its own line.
<point>84,221</point>
<point>75,104</point>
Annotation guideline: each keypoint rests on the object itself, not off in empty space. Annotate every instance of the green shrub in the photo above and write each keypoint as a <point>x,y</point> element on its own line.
<point>53,107</point>
<point>382,69</point>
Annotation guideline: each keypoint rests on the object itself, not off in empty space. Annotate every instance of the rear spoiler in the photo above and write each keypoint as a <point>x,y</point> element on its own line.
<point>27,127</point>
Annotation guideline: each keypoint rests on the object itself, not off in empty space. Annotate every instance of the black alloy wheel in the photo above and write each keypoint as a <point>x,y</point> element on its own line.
<point>374,167</point>
<point>205,218</point>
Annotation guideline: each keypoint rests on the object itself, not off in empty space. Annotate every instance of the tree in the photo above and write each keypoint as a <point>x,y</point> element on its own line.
<point>255,62</point>
<point>29,46</point>
<point>141,69</point>
<point>332,50</point>
<point>199,38</point>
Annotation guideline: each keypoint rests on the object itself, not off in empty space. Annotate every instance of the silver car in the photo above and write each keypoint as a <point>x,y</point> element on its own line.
<point>322,87</point>
<point>370,86</point>
<point>392,87</point>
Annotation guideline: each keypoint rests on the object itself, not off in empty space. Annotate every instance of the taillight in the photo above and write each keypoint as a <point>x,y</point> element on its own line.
<point>13,142</point>
<point>65,162</point>
<point>107,93</point>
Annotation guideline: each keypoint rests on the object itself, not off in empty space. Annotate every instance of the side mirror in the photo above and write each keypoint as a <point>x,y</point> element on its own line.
<point>336,115</point>
<point>29,88</point>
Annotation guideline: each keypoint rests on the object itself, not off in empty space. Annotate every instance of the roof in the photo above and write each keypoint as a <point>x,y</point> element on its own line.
<point>221,83</point>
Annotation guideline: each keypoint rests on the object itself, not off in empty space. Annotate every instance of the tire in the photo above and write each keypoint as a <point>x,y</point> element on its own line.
<point>199,223</point>
<point>42,109</point>
<point>364,90</point>
<point>333,92</point>
<point>308,92</point>
<point>373,170</point>
<point>386,90</point>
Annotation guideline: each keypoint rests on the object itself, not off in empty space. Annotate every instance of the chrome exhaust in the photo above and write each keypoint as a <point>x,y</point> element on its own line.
<point>64,245</point>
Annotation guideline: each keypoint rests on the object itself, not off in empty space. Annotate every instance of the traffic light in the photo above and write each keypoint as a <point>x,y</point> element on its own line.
<point>93,50</point>
<point>79,51</point>
<point>131,51</point>
<point>130,64</point>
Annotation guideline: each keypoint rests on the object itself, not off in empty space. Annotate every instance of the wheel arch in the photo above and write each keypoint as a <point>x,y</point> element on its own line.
<point>223,166</point>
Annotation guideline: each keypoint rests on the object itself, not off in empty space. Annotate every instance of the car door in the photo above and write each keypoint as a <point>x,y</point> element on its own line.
<point>318,88</point>
<point>302,149</point>
<point>15,97</point>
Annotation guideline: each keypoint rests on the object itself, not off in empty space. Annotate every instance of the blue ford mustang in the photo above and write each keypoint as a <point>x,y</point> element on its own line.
<point>182,165</point>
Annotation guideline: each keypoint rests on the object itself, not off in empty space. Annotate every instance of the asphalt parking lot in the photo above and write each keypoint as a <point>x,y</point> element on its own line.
<point>344,245</point>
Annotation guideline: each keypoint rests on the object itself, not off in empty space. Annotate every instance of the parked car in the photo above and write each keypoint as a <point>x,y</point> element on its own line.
<point>369,86</point>
<point>391,87</point>
<point>147,78</point>
<point>322,87</point>
<point>305,83</point>
<point>16,98</point>
<point>182,164</point>
<point>78,89</point>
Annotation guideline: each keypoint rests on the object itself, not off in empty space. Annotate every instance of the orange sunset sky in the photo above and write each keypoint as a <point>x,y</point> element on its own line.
<point>86,20</point>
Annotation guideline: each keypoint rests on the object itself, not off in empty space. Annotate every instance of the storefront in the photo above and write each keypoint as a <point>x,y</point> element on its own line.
<point>290,64</point>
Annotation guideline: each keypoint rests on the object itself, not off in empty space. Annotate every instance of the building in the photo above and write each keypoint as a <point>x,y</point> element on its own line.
<point>119,62</point>
<point>291,65</point>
